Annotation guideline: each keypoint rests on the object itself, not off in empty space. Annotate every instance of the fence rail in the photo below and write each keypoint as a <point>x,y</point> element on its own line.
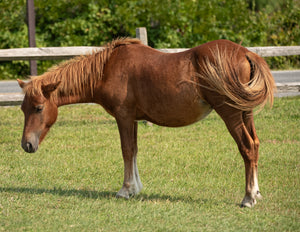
<point>57,53</point>
<point>46,53</point>
<point>262,51</point>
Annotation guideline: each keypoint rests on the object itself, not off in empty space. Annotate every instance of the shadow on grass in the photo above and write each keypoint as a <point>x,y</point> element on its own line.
<point>81,193</point>
<point>61,192</point>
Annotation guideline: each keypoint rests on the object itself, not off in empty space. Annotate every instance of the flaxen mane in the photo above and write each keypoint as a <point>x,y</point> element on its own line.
<point>77,73</point>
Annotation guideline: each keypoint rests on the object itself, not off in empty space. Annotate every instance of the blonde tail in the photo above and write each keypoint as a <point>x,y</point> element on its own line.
<point>222,76</point>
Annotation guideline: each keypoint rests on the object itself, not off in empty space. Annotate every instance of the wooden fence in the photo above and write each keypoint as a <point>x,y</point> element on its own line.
<point>57,53</point>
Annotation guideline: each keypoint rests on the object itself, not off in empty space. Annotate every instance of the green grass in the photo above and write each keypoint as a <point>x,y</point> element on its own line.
<point>193,176</point>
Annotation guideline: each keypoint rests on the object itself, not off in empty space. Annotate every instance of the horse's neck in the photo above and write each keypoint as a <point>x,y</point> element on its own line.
<point>73,99</point>
<point>67,100</point>
<point>66,97</point>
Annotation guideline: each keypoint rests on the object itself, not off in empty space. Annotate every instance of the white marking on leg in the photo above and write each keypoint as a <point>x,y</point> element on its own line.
<point>137,176</point>
<point>135,185</point>
<point>255,190</point>
<point>250,201</point>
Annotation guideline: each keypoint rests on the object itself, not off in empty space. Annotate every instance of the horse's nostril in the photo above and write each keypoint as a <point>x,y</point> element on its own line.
<point>29,147</point>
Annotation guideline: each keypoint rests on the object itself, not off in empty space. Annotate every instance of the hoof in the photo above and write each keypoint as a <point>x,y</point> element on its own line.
<point>129,190</point>
<point>248,202</point>
<point>123,194</point>
<point>247,205</point>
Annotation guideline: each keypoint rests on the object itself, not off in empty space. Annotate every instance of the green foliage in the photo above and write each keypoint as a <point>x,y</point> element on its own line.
<point>13,34</point>
<point>177,23</point>
<point>193,176</point>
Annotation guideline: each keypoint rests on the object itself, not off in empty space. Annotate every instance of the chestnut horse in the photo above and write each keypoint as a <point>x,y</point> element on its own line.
<point>134,82</point>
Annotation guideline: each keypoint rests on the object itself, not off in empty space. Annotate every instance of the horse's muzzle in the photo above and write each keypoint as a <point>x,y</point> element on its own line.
<point>30,145</point>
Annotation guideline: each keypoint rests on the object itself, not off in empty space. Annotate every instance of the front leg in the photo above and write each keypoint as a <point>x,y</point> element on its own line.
<point>128,134</point>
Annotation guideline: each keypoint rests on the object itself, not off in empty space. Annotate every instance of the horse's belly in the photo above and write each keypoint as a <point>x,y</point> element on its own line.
<point>205,109</point>
<point>176,115</point>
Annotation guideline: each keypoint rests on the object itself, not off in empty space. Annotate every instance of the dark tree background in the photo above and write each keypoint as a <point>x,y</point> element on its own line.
<point>169,23</point>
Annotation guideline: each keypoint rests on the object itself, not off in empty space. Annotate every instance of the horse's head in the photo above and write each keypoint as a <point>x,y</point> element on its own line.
<point>40,114</point>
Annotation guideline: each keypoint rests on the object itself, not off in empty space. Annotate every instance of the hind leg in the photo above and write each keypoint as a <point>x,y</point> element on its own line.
<point>241,126</point>
<point>252,189</point>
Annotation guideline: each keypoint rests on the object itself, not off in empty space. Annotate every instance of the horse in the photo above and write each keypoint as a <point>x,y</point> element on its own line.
<point>135,82</point>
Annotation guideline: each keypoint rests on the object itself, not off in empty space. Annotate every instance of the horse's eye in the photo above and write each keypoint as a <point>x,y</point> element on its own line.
<point>39,108</point>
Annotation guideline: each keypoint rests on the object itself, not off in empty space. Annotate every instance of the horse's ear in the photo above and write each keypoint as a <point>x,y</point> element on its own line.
<point>48,89</point>
<point>21,83</point>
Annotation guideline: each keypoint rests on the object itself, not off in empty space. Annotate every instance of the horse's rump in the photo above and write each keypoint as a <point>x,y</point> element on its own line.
<point>224,69</point>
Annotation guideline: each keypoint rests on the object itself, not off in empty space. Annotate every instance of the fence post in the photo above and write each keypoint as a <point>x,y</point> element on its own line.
<point>31,34</point>
<point>141,34</point>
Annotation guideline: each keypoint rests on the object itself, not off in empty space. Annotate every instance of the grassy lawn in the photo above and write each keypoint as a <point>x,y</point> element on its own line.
<point>193,177</point>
